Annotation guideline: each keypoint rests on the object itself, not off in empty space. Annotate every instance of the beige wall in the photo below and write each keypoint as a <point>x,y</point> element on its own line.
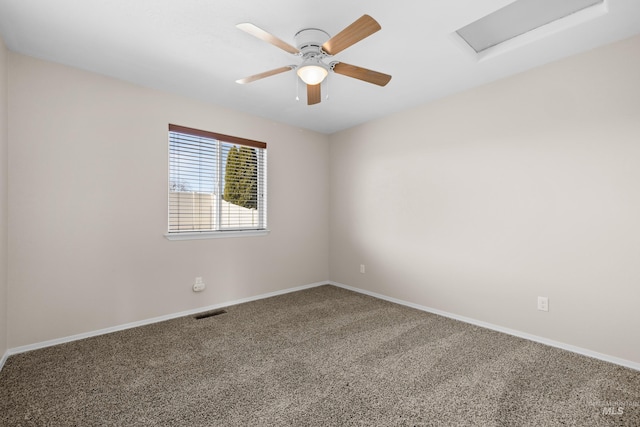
<point>479,203</point>
<point>474,205</point>
<point>3,198</point>
<point>88,206</point>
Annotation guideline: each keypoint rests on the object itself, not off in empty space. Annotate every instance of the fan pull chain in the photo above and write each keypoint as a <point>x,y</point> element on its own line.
<point>327,87</point>
<point>297,88</point>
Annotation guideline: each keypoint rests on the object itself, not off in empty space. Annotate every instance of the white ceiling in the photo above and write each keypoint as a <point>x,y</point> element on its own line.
<point>192,47</point>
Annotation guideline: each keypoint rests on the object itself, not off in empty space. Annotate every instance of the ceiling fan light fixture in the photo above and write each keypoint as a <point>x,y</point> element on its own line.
<point>312,74</point>
<point>313,46</point>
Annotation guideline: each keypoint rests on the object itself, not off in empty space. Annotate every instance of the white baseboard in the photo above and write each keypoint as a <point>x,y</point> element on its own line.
<point>4,358</point>
<point>530,337</point>
<point>90,334</point>
<point>552,343</point>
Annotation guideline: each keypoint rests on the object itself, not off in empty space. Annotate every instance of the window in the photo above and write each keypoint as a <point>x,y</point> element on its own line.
<point>217,185</point>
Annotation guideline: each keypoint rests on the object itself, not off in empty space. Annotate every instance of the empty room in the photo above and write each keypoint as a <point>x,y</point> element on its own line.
<point>285,213</point>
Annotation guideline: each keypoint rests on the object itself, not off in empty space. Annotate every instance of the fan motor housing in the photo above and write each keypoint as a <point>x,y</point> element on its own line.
<point>310,40</point>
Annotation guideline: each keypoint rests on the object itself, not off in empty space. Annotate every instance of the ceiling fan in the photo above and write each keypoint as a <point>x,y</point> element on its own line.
<point>314,45</point>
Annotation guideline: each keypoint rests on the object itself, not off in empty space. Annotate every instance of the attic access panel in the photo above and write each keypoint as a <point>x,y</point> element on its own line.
<point>518,18</point>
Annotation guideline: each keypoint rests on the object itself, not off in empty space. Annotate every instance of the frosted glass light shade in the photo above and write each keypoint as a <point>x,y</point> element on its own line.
<point>312,74</point>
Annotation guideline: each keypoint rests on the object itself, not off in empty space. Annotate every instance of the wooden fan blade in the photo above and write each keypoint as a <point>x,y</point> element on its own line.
<point>363,27</point>
<point>263,75</point>
<point>268,37</point>
<point>313,94</point>
<point>363,74</point>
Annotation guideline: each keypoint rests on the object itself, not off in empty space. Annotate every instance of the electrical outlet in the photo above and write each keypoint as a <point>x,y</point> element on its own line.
<point>362,268</point>
<point>199,285</point>
<point>543,303</point>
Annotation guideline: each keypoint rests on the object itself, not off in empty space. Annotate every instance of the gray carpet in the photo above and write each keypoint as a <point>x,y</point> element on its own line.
<point>324,356</point>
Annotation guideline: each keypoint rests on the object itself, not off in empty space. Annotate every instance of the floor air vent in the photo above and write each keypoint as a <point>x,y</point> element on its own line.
<point>209,314</point>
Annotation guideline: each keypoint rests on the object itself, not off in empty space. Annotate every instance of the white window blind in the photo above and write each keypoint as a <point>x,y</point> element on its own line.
<point>217,182</point>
